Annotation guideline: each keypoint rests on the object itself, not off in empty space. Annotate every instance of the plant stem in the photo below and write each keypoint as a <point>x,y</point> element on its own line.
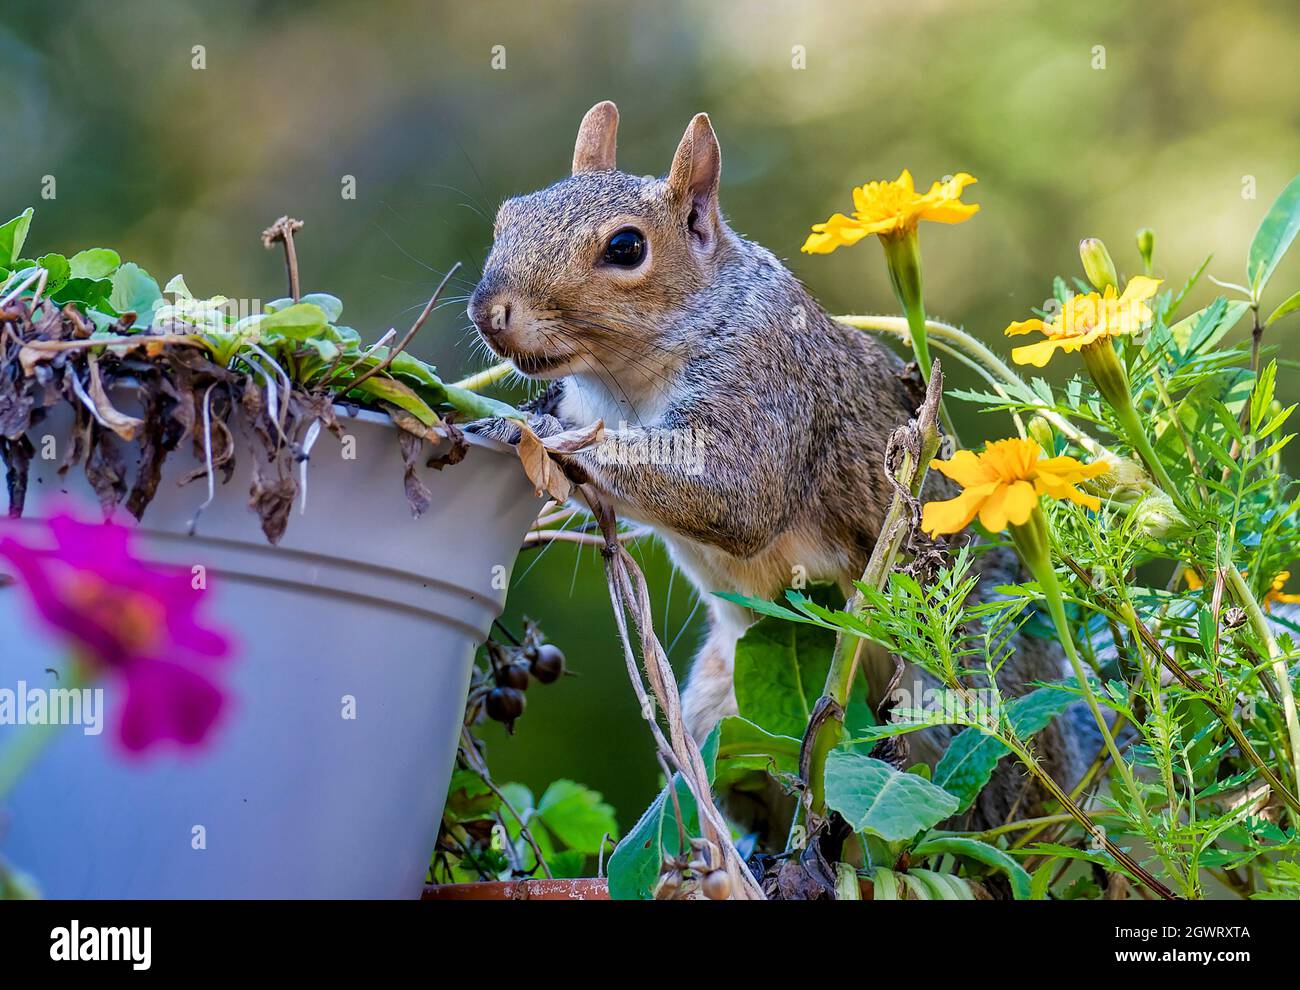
<point>1137,436</point>
<point>17,758</point>
<point>1033,543</point>
<point>489,376</point>
<point>1082,817</point>
<point>909,476</point>
<point>1259,623</point>
<point>897,326</point>
<point>903,258</point>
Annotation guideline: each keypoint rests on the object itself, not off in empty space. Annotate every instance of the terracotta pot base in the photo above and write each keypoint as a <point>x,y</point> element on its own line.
<point>521,890</point>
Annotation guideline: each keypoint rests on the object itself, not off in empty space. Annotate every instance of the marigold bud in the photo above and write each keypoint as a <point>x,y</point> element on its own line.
<point>1160,518</point>
<point>1146,238</point>
<point>1125,481</point>
<point>1041,432</point>
<point>1097,263</point>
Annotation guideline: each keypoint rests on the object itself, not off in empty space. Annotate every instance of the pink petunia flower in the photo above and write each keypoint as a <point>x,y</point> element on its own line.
<point>130,618</point>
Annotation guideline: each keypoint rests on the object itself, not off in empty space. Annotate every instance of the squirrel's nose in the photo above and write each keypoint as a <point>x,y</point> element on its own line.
<point>490,313</point>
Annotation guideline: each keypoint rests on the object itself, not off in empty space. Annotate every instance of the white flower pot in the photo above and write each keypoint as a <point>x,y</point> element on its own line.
<point>359,606</point>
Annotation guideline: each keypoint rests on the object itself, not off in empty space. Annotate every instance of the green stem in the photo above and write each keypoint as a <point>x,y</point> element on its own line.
<point>903,258</point>
<point>16,758</point>
<point>1259,623</point>
<point>483,379</point>
<point>910,475</point>
<point>1079,815</point>
<point>1032,542</point>
<point>897,326</point>
<point>1137,436</point>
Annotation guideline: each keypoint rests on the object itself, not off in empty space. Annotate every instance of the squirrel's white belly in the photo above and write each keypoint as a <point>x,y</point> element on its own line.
<point>584,401</point>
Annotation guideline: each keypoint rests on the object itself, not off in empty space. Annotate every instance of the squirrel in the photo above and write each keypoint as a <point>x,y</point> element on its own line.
<point>639,303</point>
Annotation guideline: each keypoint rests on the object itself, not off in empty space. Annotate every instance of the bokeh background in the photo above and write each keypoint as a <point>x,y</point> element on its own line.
<point>180,168</point>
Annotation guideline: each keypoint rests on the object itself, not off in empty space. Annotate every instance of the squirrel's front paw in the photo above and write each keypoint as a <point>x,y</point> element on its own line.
<point>505,430</point>
<point>508,431</point>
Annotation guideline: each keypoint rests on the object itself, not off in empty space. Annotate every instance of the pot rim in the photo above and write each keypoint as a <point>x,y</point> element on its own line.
<point>376,418</point>
<point>383,419</point>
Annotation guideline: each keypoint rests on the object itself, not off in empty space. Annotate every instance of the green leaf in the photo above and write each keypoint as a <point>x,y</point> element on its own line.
<point>568,863</point>
<point>331,306</point>
<point>12,237</point>
<point>473,406</point>
<point>402,396</point>
<point>469,798</point>
<point>875,798</point>
<point>59,271</point>
<point>970,759</point>
<point>1276,232</point>
<point>886,885</point>
<point>91,293</point>
<point>176,287</point>
<point>1099,856</point>
<point>1261,396</point>
<point>577,816</point>
<point>1287,307</point>
<point>634,865</point>
<point>780,672</point>
<point>135,290</point>
<point>763,607</point>
<point>981,852</point>
<point>298,322</point>
<point>744,748</point>
<point>95,263</point>
<point>931,886</point>
<point>1206,327</point>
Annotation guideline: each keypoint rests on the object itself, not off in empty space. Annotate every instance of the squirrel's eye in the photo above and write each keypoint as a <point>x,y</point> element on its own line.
<point>626,248</point>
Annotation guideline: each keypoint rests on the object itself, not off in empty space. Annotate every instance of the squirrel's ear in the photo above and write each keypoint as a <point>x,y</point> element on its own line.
<point>696,169</point>
<point>597,138</point>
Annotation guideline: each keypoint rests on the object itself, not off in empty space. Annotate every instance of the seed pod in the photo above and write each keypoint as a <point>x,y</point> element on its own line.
<point>669,885</point>
<point>513,675</point>
<point>717,885</point>
<point>548,665</point>
<point>504,704</point>
<point>1234,618</point>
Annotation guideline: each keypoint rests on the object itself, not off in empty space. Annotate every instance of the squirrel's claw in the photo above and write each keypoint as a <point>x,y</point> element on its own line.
<point>507,430</point>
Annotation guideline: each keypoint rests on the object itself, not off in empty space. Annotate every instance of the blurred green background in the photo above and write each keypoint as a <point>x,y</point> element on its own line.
<point>180,168</point>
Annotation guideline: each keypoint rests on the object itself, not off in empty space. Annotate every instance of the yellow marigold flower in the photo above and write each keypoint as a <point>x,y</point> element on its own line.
<point>890,209</point>
<point>1002,485</point>
<point>1274,594</point>
<point>1086,319</point>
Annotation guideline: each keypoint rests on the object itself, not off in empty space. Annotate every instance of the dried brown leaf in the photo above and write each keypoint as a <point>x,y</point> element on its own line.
<point>123,425</point>
<point>572,441</point>
<point>418,496</point>
<point>105,469</point>
<point>17,457</point>
<point>543,472</point>
<point>271,497</point>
